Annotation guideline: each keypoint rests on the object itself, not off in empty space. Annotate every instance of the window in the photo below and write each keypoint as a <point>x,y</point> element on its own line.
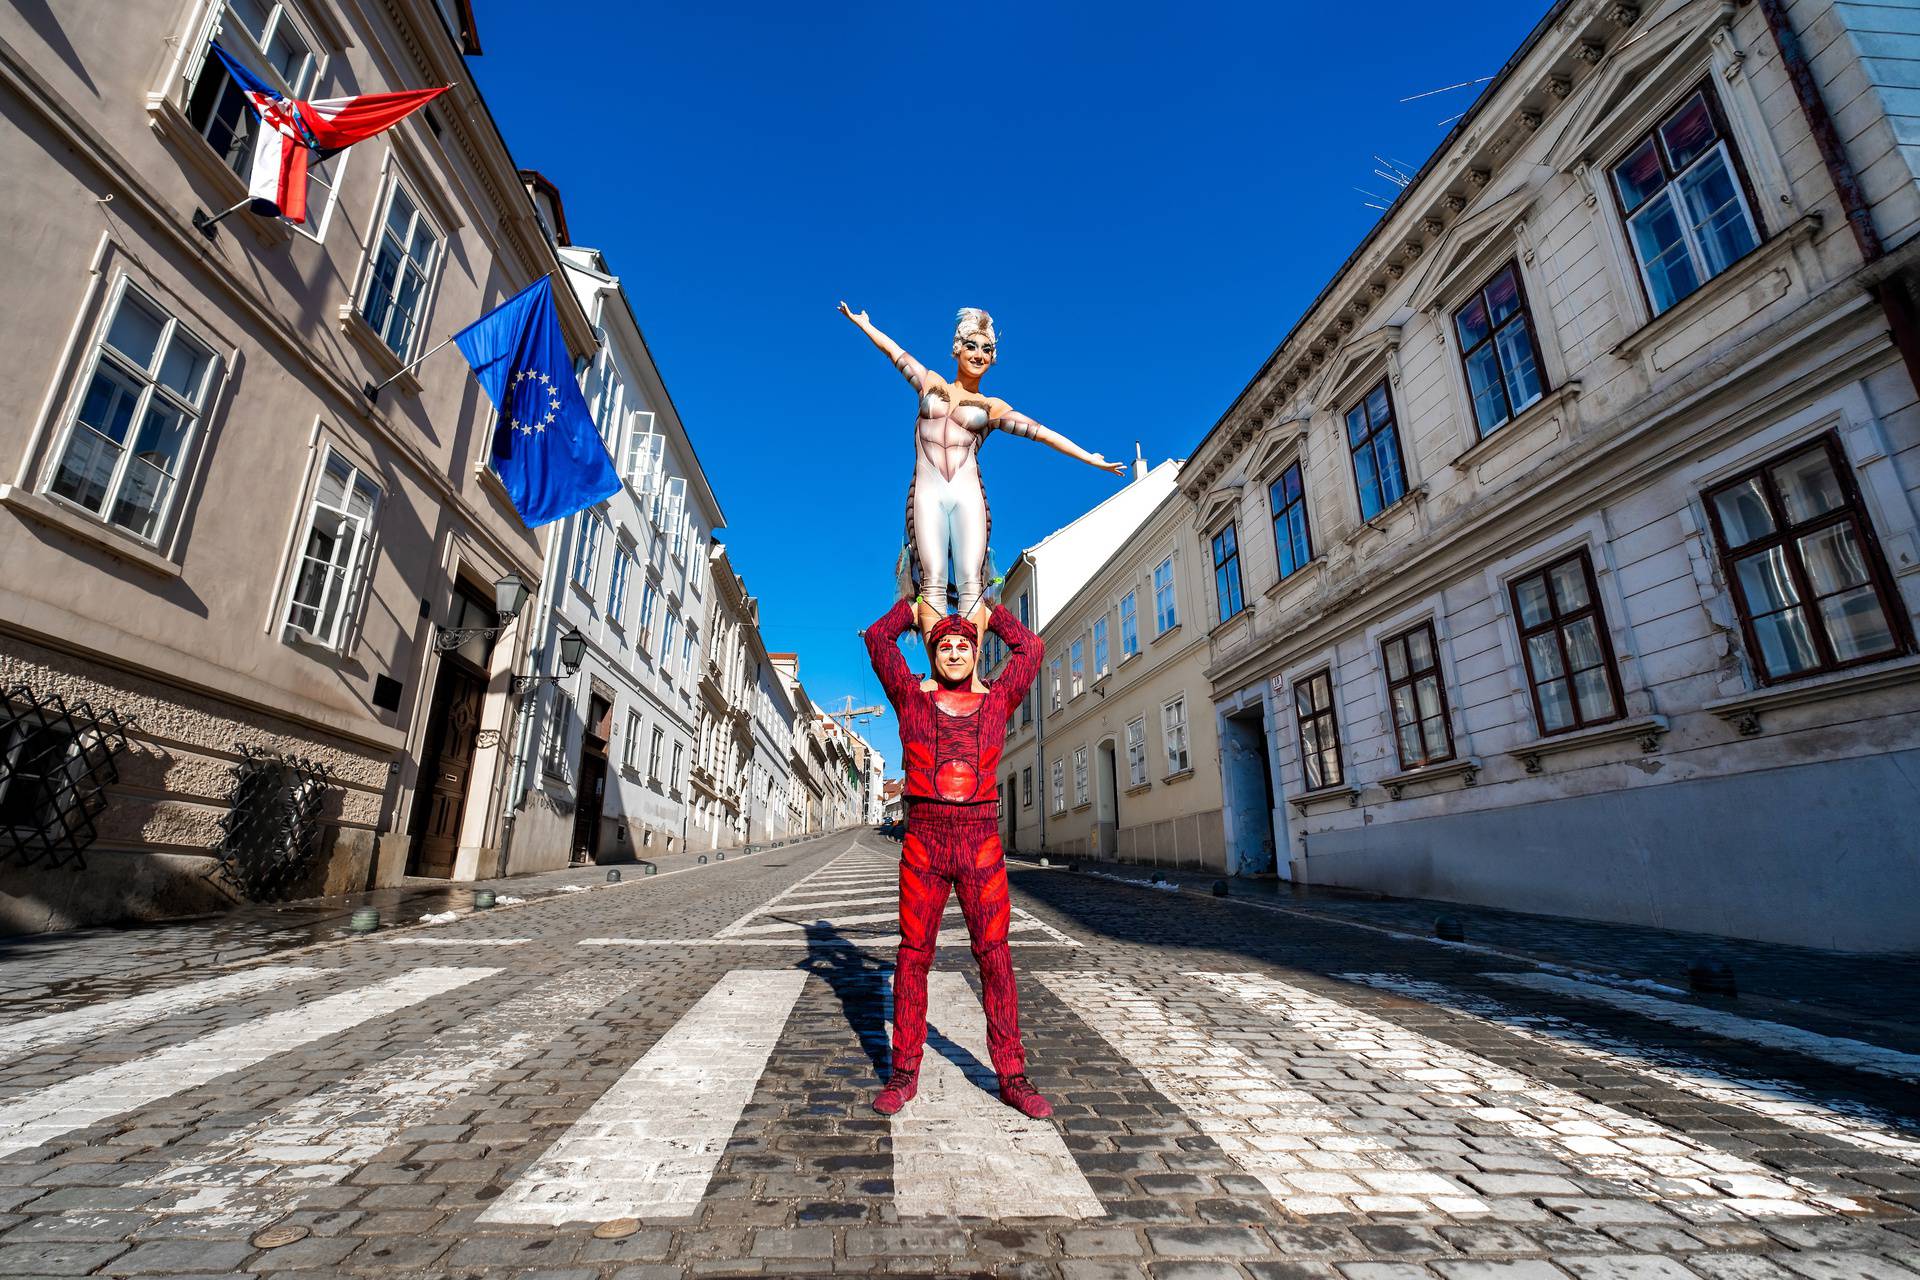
<point>1076,668</point>
<point>1136,753</point>
<point>1418,698</point>
<point>1026,787</point>
<point>1569,658</point>
<point>1319,732</point>
<point>673,781</point>
<point>1026,619</point>
<point>653,753</point>
<point>1079,776</point>
<point>333,554</point>
<point>687,645</point>
<point>1059,786</point>
<point>1685,202</point>
<point>268,39</point>
<point>1054,670</point>
<point>1226,571</point>
<point>1808,578</point>
<point>617,589</point>
<point>649,602</point>
<point>1374,442</point>
<point>1498,348</point>
<point>555,757</point>
<point>1129,627</point>
<point>630,750</point>
<point>131,435</point>
<point>1026,709</point>
<point>609,406</point>
<point>403,260</point>
<point>1100,653</point>
<point>666,641</point>
<point>586,550</point>
<point>1165,616</point>
<point>646,453</point>
<point>1292,545</point>
<point>1173,724</point>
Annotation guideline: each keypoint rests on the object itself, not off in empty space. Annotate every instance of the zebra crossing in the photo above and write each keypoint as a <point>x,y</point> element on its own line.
<point>1329,1109</point>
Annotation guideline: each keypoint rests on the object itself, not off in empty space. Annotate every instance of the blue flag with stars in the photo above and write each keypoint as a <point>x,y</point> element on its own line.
<point>545,449</point>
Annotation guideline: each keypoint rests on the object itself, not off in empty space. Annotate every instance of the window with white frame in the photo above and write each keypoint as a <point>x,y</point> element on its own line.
<point>586,550</point>
<point>1079,775</point>
<point>649,604</point>
<point>653,753</point>
<point>1100,654</point>
<point>135,426</point>
<point>610,405</point>
<point>1025,611</point>
<point>646,453</point>
<point>554,758</point>
<point>630,750</point>
<point>1166,616</point>
<point>617,587</point>
<point>1498,350</point>
<point>673,779</point>
<point>333,553</point>
<point>1053,672</point>
<point>666,642</point>
<point>273,44</point>
<point>1173,724</point>
<point>688,643</point>
<point>1129,626</point>
<point>1059,786</point>
<point>404,256</point>
<point>1076,668</point>
<point>1684,199</point>
<point>1137,752</point>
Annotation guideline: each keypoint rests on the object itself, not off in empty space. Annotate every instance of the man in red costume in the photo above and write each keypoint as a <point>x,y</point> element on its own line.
<point>951,737</point>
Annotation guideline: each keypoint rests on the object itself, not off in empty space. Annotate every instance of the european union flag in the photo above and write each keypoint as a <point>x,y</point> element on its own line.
<point>545,448</point>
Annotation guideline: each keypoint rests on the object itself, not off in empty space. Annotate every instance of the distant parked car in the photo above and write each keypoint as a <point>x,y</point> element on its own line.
<point>894,830</point>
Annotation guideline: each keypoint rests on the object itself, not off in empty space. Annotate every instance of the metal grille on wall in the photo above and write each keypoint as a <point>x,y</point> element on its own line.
<point>56,762</point>
<point>271,830</point>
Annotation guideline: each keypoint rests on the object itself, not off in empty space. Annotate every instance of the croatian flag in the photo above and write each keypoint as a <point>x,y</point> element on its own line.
<point>293,134</point>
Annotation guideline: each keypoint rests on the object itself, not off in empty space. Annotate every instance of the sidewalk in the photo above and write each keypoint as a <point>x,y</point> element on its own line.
<point>1852,990</point>
<point>47,971</point>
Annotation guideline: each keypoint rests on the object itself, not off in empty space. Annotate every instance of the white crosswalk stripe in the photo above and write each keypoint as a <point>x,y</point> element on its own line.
<point>92,1020</point>
<point>1780,1100</point>
<point>1591,1139</point>
<point>959,1150</point>
<point>648,1147</point>
<point>83,1100</point>
<point>1839,1051</point>
<point>259,1172</point>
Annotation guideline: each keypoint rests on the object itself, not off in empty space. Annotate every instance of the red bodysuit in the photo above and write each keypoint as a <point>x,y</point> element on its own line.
<point>951,741</point>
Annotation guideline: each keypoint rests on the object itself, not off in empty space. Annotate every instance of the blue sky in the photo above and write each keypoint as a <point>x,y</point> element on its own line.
<point>1144,197</point>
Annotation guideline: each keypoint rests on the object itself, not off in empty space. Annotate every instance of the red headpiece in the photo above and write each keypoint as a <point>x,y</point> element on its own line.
<point>952,625</point>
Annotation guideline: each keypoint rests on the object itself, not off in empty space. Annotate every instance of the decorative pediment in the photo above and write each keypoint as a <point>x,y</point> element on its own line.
<point>1468,245</point>
<point>1277,444</point>
<point>1624,93</point>
<point>1365,354</point>
<point>1220,502</point>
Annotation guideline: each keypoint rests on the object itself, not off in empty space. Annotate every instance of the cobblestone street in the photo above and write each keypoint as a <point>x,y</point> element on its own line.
<point>1239,1091</point>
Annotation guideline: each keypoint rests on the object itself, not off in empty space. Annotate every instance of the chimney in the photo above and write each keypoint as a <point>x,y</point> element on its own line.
<point>1139,463</point>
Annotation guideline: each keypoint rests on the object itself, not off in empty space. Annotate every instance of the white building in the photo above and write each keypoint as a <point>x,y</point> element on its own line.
<point>606,751</point>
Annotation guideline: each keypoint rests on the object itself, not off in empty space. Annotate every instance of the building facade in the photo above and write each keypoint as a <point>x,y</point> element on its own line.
<point>1564,556</point>
<point>207,528</point>
<point>1128,769</point>
<point>604,753</point>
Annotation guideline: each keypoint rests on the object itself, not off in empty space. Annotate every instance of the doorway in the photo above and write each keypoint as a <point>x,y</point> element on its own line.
<point>453,732</point>
<point>1246,770</point>
<point>590,799</point>
<point>1106,803</point>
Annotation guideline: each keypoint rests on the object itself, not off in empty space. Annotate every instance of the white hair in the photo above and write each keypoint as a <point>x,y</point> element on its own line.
<point>973,320</point>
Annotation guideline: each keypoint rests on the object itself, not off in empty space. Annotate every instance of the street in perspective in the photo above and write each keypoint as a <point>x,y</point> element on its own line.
<point>1412,776</point>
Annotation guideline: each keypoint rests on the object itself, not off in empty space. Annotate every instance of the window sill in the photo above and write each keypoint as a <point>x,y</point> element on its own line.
<point>1139,788</point>
<point>1718,289</point>
<point>1307,799</point>
<point>1646,730</point>
<point>1128,658</point>
<point>1744,710</point>
<point>1311,569</point>
<point>378,353</point>
<point>1181,776</point>
<point>1411,500</point>
<point>1083,806</point>
<point>1467,769</point>
<point>58,515</point>
<point>1164,634</point>
<point>1245,614</point>
<point>1537,412</point>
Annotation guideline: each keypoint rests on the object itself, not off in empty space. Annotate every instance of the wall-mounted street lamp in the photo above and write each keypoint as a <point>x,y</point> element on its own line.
<point>573,651</point>
<point>509,598</point>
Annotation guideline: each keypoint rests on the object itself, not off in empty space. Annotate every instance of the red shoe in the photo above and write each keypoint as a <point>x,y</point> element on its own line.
<point>901,1086</point>
<point>1018,1092</point>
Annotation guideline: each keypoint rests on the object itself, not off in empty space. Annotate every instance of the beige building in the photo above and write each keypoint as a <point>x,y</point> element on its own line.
<point>1127,769</point>
<point>1564,556</point>
<point>205,526</point>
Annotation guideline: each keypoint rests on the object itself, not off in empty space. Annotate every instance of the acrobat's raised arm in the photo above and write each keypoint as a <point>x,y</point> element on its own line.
<point>911,369</point>
<point>1019,424</point>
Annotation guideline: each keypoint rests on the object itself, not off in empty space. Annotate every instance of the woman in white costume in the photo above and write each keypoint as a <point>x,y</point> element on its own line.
<point>946,503</point>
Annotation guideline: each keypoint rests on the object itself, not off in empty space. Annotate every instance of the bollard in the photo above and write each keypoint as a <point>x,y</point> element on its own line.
<point>613,876</point>
<point>703,859</point>
<point>365,920</point>
<point>650,870</point>
<point>1450,929</point>
<point>1219,888</point>
<point>483,899</point>
<point>1045,863</point>
<point>1709,977</point>
<point>719,857</point>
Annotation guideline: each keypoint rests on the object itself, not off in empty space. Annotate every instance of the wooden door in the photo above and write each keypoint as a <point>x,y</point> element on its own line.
<point>447,769</point>
<point>589,801</point>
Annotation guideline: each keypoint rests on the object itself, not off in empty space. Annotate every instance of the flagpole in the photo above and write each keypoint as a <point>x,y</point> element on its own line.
<point>372,389</point>
<point>205,225</point>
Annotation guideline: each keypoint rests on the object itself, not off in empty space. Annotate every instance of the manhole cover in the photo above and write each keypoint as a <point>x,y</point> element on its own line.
<point>617,1229</point>
<point>285,1233</point>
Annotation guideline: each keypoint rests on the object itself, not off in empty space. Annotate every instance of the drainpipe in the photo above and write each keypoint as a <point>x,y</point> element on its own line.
<point>1891,295</point>
<point>1039,707</point>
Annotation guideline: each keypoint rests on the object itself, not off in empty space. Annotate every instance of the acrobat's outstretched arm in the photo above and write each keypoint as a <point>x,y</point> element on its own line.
<point>911,369</point>
<point>1019,424</point>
